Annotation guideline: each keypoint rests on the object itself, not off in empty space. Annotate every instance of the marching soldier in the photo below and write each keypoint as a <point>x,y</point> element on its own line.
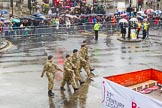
<point>68,74</point>
<point>50,68</point>
<point>86,65</point>
<point>76,60</point>
<point>87,55</point>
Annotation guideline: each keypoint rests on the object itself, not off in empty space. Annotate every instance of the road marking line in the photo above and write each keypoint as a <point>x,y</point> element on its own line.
<point>10,45</point>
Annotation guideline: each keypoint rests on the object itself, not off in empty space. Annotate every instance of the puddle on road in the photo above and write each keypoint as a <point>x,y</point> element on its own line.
<point>70,99</point>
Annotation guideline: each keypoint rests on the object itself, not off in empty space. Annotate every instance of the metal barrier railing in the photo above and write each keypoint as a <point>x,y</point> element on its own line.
<point>50,30</point>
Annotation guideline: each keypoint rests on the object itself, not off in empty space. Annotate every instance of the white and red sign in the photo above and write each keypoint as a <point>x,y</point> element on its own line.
<point>117,96</point>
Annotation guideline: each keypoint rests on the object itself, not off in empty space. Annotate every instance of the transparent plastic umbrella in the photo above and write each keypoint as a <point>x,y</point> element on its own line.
<point>123,20</point>
<point>134,19</point>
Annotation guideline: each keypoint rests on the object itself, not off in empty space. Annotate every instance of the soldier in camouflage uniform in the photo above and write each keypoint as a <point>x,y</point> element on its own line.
<point>50,68</point>
<point>87,55</point>
<point>86,66</point>
<point>68,74</point>
<point>76,60</point>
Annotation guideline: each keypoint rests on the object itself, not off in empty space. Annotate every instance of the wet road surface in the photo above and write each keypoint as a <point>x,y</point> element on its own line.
<point>20,68</point>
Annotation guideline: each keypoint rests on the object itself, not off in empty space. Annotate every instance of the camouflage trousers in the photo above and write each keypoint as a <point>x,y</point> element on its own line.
<point>68,76</point>
<point>50,77</point>
<point>86,68</point>
<point>78,78</point>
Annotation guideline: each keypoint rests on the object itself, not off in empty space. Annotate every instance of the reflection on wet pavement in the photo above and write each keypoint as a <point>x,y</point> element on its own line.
<point>21,66</point>
<point>75,99</point>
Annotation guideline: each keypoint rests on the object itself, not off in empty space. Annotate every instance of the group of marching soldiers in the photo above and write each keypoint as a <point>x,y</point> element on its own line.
<point>71,68</point>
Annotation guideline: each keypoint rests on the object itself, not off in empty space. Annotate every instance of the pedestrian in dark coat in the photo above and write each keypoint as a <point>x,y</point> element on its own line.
<point>123,30</point>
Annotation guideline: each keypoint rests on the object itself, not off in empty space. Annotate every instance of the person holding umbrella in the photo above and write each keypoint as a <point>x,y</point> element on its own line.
<point>123,22</point>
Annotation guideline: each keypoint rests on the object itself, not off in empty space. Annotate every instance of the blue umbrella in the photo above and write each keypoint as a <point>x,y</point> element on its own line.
<point>132,14</point>
<point>120,12</point>
<point>4,11</point>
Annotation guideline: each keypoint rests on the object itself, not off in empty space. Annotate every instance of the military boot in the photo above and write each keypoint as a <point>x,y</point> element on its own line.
<point>50,93</point>
<point>62,88</point>
<point>91,69</point>
<point>75,89</point>
<point>81,82</point>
